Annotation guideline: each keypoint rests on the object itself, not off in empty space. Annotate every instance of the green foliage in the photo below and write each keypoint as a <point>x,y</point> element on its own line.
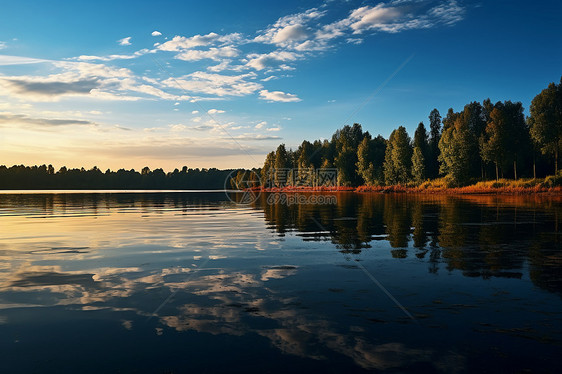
<point>370,158</point>
<point>432,160</point>
<point>505,135</point>
<point>282,161</point>
<point>346,142</point>
<point>418,165</point>
<point>398,157</point>
<point>345,163</point>
<point>421,139</point>
<point>546,120</point>
<point>461,147</point>
<point>456,151</point>
<point>268,168</point>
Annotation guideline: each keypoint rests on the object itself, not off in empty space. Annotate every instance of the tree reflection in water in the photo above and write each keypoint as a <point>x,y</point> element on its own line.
<point>482,236</point>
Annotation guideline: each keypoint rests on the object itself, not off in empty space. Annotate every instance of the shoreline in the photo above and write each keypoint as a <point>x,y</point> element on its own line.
<point>467,190</point>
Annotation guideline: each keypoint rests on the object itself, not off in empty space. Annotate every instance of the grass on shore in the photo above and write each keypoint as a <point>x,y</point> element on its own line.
<point>522,186</point>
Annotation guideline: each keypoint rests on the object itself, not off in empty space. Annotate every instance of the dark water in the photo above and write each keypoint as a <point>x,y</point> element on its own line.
<point>191,282</point>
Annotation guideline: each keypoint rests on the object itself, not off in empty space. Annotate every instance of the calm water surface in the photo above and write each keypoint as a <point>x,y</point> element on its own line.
<point>191,282</point>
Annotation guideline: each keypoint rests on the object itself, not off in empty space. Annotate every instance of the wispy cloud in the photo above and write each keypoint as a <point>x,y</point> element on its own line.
<point>113,57</point>
<point>180,43</point>
<point>125,41</point>
<point>50,88</point>
<point>216,54</point>
<point>25,120</point>
<point>215,84</point>
<point>18,60</point>
<point>256,137</point>
<point>278,96</point>
<point>242,65</point>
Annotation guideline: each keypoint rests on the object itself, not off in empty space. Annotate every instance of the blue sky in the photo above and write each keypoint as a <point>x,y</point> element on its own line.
<point>221,83</point>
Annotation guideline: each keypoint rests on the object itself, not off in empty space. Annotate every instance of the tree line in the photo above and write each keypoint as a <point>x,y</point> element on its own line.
<point>45,177</point>
<point>483,141</point>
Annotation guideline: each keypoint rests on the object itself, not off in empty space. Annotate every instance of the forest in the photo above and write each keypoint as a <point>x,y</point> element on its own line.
<point>45,177</point>
<point>484,141</point>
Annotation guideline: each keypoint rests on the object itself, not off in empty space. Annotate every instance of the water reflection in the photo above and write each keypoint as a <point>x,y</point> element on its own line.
<point>172,269</point>
<point>482,236</point>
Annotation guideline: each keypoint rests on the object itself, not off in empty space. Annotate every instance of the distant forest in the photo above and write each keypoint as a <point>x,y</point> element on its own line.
<point>45,177</point>
<point>484,141</point>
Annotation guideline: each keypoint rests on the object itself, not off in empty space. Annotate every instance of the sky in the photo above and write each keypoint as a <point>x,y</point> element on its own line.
<point>118,84</point>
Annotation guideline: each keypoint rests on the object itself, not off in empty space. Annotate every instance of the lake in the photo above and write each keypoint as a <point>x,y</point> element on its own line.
<point>183,282</point>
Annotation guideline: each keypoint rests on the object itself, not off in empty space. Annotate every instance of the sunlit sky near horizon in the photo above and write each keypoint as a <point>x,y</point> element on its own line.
<point>220,83</point>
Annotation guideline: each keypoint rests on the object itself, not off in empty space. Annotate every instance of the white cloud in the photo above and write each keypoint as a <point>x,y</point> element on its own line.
<point>311,45</point>
<point>397,17</point>
<point>277,128</point>
<point>2,45</point>
<point>367,17</point>
<point>179,43</point>
<point>176,103</point>
<point>289,29</point>
<point>113,57</point>
<point>270,60</point>
<point>195,112</point>
<point>18,60</point>
<point>354,40</point>
<point>216,84</point>
<point>125,41</point>
<point>278,96</point>
<point>213,53</point>
<point>448,13</point>
<point>215,111</point>
<point>226,65</point>
<point>256,137</point>
<point>85,69</point>
<point>177,127</point>
<point>290,33</point>
<point>201,127</point>
<point>261,124</point>
<point>238,127</point>
<point>82,79</point>
<point>237,71</point>
<point>332,30</point>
